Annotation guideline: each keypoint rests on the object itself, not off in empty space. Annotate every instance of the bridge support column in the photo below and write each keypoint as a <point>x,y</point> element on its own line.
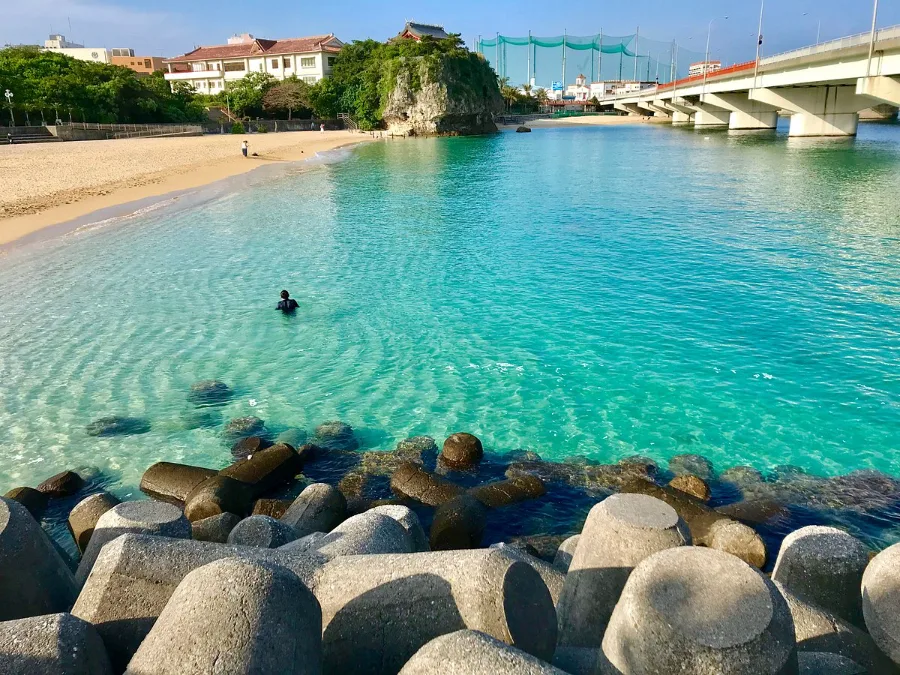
<point>745,114</point>
<point>630,108</point>
<point>659,111</point>
<point>707,115</point>
<point>681,114</point>
<point>829,110</point>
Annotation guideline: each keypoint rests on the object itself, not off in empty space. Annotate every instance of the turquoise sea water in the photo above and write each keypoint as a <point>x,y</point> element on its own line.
<point>593,292</point>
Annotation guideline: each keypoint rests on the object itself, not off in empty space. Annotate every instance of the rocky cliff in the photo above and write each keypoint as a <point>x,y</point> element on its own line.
<point>441,95</point>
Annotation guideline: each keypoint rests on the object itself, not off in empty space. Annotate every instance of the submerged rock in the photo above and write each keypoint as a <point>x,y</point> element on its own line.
<point>293,437</point>
<point>335,435</point>
<point>696,465</point>
<point>523,130</point>
<point>210,392</point>
<point>200,419</point>
<point>241,427</point>
<point>118,426</point>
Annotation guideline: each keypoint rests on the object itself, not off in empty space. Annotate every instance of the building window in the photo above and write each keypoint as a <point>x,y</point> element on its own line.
<point>274,64</point>
<point>147,63</point>
<point>286,62</point>
<point>310,79</point>
<point>234,66</point>
<point>331,61</point>
<point>308,62</point>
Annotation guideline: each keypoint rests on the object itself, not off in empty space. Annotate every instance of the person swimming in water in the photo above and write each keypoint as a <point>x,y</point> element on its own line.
<point>287,304</point>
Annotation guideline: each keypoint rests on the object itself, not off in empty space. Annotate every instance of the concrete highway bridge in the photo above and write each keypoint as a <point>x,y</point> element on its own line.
<point>823,87</point>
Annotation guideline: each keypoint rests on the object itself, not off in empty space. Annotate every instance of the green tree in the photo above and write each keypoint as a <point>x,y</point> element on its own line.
<point>246,95</point>
<point>541,95</point>
<point>48,85</point>
<point>290,95</point>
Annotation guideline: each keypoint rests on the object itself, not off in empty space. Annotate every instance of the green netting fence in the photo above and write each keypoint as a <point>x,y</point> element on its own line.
<point>561,58</point>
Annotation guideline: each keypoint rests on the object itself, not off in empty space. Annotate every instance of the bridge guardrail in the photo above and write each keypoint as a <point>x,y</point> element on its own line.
<point>857,40</point>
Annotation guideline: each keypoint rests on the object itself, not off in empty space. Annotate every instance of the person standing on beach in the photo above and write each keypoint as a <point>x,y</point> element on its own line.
<point>322,128</point>
<point>287,304</point>
<point>245,146</point>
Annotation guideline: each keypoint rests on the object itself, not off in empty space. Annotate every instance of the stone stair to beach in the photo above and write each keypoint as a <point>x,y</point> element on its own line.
<point>30,135</point>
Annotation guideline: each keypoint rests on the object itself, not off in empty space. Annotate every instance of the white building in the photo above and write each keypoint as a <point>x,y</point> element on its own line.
<point>582,91</point>
<point>704,67</point>
<point>58,43</point>
<point>207,69</point>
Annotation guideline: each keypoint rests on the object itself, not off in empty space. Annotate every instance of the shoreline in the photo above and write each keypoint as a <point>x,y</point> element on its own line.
<point>588,121</point>
<point>129,174</point>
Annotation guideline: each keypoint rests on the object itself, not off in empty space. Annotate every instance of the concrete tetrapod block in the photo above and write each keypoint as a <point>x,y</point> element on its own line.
<point>819,630</point>
<point>410,522</point>
<point>619,533</point>
<point>36,502</point>
<point>34,580</point>
<point>51,645</point>
<point>458,524</point>
<point>824,566</point>
<point>266,469</point>
<point>215,528</point>
<point>823,663</point>
<point>219,494</point>
<point>83,518</point>
<point>469,652</point>
<point>412,482</point>
<point>378,610</point>
<point>705,523</point>
<point>319,508</point>
<point>235,616</point>
<point>698,610</point>
<point>144,517</point>
<point>365,534</point>
<point>135,576</point>
<point>170,482</point>
<point>881,600</point>
<point>552,577</point>
<point>564,553</point>
<point>262,532</point>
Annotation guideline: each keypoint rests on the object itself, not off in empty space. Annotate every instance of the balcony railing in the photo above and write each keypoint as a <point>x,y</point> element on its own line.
<point>194,74</point>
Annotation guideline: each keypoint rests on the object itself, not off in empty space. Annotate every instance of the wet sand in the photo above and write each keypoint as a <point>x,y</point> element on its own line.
<point>49,183</point>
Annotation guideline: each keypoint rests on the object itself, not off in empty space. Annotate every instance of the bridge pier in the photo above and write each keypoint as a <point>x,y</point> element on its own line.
<point>681,114</point>
<point>630,108</point>
<point>830,110</point>
<point>707,115</point>
<point>745,114</point>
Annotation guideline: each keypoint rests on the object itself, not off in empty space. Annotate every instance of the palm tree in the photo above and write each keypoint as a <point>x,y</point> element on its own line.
<point>527,89</point>
<point>509,94</point>
<point>541,95</point>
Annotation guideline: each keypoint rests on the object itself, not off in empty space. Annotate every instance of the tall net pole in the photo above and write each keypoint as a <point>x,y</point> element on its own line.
<point>637,43</point>
<point>528,69</point>
<point>563,94</point>
<point>600,58</point>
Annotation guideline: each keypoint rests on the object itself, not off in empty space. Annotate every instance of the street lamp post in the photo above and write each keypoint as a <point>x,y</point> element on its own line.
<point>872,40</point>
<point>706,65</point>
<point>759,41</point>
<point>9,98</point>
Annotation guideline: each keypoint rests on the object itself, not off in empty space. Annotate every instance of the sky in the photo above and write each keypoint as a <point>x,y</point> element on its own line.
<point>172,27</point>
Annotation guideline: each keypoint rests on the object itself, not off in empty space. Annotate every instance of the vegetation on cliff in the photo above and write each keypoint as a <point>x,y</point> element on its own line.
<point>366,73</point>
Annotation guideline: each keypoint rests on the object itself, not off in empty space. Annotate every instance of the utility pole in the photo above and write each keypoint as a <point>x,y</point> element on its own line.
<point>497,54</point>
<point>563,93</point>
<point>872,40</point>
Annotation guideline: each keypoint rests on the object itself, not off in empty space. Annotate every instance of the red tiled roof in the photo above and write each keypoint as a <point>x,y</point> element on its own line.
<point>261,46</point>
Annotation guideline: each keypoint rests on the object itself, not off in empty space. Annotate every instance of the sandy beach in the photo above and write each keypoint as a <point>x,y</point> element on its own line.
<point>49,183</point>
